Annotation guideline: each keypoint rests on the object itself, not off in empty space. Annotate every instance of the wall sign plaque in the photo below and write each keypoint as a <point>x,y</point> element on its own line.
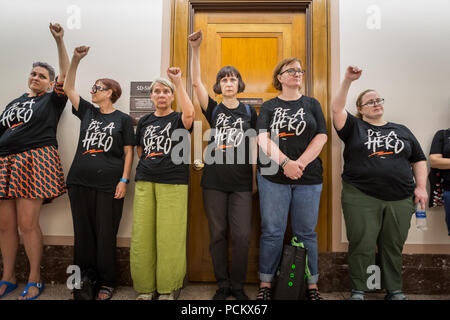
<point>140,102</point>
<point>140,88</point>
<point>136,116</point>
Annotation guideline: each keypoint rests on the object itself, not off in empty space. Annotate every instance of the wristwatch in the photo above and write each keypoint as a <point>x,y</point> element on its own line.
<point>124,180</point>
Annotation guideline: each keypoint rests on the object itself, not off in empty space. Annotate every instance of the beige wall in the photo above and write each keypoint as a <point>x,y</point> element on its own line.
<point>404,56</point>
<point>130,41</point>
<point>126,40</point>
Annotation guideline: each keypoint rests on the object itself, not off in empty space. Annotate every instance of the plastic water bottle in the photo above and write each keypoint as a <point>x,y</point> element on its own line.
<point>421,218</point>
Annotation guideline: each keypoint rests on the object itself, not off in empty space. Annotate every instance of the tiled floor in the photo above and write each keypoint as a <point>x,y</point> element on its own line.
<point>195,291</point>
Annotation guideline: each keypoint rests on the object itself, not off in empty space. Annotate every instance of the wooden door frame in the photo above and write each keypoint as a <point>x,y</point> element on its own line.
<point>317,51</point>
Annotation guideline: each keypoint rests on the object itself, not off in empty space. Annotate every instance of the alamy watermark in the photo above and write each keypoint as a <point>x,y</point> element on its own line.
<point>74,280</point>
<point>374,280</point>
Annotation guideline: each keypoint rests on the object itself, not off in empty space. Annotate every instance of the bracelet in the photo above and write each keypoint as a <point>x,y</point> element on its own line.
<point>124,180</point>
<point>284,162</point>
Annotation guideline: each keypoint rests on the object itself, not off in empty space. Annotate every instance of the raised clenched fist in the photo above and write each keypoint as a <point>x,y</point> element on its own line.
<point>195,39</point>
<point>57,31</point>
<point>81,52</point>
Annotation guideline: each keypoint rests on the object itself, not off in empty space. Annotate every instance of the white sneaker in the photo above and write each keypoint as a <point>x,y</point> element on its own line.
<point>147,296</point>
<point>172,296</point>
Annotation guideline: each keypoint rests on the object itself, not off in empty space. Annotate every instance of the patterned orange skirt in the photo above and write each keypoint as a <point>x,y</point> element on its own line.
<point>33,174</point>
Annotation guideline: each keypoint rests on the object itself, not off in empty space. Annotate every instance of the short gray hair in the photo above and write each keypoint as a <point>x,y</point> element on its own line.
<point>164,82</point>
<point>49,68</point>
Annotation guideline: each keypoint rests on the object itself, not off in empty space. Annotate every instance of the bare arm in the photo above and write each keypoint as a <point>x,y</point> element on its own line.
<point>420,175</point>
<point>139,151</point>
<point>69,84</point>
<point>313,150</point>
<point>58,33</point>
<point>195,40</point>
<point>121,188</point>
<point>187,108</point>
<point>340,99</point>
<point>439,162</point>
<point>291,169</point>
<point>254,159</point>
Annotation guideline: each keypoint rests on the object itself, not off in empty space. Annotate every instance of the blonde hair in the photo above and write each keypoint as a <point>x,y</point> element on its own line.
<point>164,82</point>
<point>359,102</point>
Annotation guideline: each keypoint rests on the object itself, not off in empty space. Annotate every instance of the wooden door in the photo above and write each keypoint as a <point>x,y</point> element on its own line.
<point>253,41</point>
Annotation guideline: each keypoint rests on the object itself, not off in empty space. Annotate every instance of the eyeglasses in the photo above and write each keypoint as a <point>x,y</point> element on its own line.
<point>292,72</point>
<point>96,88</point>
<point>373,103</point>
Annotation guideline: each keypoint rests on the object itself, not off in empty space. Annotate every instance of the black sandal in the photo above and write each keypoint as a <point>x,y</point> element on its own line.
<point>264,293</point>
<point>313,294</point>
<point>108,291</point>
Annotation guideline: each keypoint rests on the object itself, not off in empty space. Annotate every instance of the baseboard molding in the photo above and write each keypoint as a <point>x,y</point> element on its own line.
<point>422,273</point>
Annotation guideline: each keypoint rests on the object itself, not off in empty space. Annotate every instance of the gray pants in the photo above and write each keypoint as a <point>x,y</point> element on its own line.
<point>231,210</point>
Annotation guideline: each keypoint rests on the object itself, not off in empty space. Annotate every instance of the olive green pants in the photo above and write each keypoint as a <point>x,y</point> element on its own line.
<point>158,240</point>
<point>372,222</point>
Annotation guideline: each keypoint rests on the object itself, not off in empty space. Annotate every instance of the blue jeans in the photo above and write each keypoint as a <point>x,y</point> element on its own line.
<point>447,209</point>
<point>276,200</point>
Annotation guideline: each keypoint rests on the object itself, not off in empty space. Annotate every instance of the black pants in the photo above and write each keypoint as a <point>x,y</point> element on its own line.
<point>96,217</point>
<point>233,209</point>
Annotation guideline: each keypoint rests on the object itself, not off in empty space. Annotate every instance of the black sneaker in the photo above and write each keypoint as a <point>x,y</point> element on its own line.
<point>264,293</point>
<point>239,294</point>
<point>222,293</point>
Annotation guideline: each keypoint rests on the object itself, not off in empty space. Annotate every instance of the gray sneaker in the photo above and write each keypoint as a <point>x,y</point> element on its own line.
<point>395,295</point>
<point>172,296</point>
<point>357,295</point>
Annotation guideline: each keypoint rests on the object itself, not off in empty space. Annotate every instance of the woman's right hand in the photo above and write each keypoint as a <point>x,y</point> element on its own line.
<point>353,73</point>
<point>80,52</point>
<point>195,39</point>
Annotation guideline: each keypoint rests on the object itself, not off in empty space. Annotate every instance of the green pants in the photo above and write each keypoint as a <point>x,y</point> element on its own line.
<point>371,222</point>
<point>158,240</point>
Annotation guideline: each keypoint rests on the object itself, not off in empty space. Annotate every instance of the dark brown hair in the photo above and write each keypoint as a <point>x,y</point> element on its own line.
<point>114,86</point>
<point>359,102</point>
<point>275,82</point>
<point>228,71</point>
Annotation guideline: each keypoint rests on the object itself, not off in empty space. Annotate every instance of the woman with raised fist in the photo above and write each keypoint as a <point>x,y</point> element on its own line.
<point>384,176</point>
<point>227,183</point>
<point>98,178</point>
<point>30,168</point>
<point>158,240</point>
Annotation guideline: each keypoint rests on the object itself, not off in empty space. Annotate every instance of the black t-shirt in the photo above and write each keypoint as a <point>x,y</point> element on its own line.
<point>377,159</point>
<point>166,150</point>
<point>99,159</point>
<point>31,122</point>
<point>441,145</point>
<point>228,160</point>
<point>294,124</point>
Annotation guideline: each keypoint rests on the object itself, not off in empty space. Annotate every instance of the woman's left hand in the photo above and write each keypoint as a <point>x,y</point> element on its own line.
<point>121,190</point>
<point>421,195</point>
<point>254,187</point>
<point>57,31</point>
